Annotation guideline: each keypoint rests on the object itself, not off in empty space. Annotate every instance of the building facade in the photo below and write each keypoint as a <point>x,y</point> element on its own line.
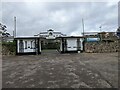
<point>71,44</point>
<point>50,34</point>
<point>32,45</point>
<point>28,45</point>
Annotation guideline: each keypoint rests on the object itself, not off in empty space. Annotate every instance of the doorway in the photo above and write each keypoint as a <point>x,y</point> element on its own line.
<point>50,46</point>
<point>21,46</point>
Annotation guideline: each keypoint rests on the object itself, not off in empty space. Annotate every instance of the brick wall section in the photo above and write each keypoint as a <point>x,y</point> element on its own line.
<point>101,47</point>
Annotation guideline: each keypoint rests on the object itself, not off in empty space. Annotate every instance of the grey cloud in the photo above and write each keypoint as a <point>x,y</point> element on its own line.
<point>66,17</point>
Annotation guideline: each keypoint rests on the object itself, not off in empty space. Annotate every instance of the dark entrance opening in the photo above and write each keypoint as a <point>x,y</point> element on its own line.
<point>21,46</point>
<point>50,46</point>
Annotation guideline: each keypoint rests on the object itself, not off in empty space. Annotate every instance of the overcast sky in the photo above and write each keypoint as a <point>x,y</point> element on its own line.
<point>66,17</point>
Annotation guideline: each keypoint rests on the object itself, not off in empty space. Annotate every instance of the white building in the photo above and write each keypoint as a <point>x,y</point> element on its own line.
<point>32,45</point>
<point>71,44</point>
<point>28,45</point>
<point>50,34</point>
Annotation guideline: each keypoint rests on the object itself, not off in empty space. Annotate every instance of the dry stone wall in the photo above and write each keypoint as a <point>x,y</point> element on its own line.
<point>8,49</point>
<point>101,47</point>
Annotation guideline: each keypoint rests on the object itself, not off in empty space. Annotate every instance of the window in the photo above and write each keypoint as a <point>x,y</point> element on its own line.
<point>25,44</point>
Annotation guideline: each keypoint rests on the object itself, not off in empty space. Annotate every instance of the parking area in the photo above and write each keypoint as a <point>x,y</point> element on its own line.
<point>55,70</point>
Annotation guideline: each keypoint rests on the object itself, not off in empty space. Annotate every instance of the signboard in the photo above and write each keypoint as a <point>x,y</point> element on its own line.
<point>93,39</point>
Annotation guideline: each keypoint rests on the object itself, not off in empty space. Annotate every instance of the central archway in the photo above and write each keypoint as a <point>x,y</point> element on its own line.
<point>50,46</point>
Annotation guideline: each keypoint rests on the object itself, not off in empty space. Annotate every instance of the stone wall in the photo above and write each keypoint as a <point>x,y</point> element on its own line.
<point>8,48</point>
<point>101,47</point>
<point>90,47</point>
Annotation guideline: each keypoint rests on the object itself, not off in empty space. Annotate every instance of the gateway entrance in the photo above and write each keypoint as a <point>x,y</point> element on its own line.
<point>50,46</point>
<point>49,40</point>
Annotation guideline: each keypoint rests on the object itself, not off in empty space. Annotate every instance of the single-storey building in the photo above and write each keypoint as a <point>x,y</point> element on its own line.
<point>32,45</point>
<point>28,45</point>
<point>71,44</point>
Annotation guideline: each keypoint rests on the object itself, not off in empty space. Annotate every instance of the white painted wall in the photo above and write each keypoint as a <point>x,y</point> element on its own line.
<point>71,44</point>
<point>29,46</point>
<point>28,49</point>
<point>40,45</point>
<point>54,35</point>
<point>81,43</point>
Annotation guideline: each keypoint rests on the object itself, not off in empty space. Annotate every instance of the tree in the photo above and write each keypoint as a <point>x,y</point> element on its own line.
<point>2,28</point>
<point>3,31</point>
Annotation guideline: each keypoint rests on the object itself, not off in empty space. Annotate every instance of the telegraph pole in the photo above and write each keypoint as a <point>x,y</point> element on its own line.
<point>100,28</point>
<point>100,33</point>
<point>83,26</point>
<point>83,35</point>
<point>14,27</point>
